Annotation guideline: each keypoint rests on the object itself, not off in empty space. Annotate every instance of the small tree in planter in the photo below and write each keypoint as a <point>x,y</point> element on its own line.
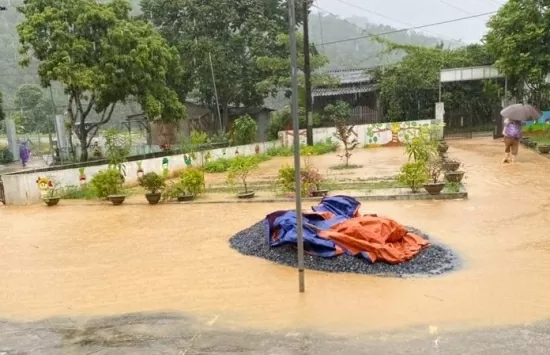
<point>107,184</point>
<point>312,180</point>
<point>191,184</point>
<point>118,147</point>
<point>434,167</point>
<point>340,113</point>
<point>240,169</point>
<point>154,183</point>
<point>413,175</point>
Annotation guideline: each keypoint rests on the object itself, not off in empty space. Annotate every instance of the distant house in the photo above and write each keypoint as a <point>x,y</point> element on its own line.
<point>201,118</point>
<point>355,87</point>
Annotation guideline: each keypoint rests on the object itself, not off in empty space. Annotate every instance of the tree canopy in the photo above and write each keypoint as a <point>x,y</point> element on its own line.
<point>519,38</point>
<point>102,57</point>
<point>409,89</point>
<point>230,34</point>
<point>35,112</point>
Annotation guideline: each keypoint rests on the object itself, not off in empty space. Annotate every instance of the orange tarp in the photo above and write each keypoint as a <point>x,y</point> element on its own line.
<point>382,239</point>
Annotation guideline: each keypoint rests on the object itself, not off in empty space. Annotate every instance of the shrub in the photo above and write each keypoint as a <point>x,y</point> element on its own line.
<point>241,168</point>
<point>413,175</point>
<point>191,181</point>
<point>106,182</point>
<point>218,166</point>
<point>5,156</point>
<point>282,121</point>
<point>152,182</point>
<point>328,146</point>
<point>77,193</point>
<point>434,167</point>
<point>244,130</point>
<point>310,177</point>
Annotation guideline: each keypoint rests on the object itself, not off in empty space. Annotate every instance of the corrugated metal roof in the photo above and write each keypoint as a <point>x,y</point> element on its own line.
<point>351,76</point>
<point>357,89</point>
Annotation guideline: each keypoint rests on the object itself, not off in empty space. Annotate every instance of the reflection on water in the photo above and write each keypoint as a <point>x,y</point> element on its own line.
<point>98,260</point>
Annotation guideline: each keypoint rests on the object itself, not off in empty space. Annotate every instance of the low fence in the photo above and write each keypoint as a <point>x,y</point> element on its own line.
<point>376,134</point>
<point>21,188</point>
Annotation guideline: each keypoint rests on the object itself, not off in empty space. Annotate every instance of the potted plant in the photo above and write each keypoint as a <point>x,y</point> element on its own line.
<point>51,198</point>
<point>442,147</point>
<point>451,165</point>
<point>312,180</point>
<point>413,175</point>
<point>241,167</point>
<point>107,184</point>
<point>543,148</point>
<point>434,167</point>
<point>140,169</point>
<point>454,176</point>
<point>82,176</point>
<point>154,183</point>
<point>191,184</point>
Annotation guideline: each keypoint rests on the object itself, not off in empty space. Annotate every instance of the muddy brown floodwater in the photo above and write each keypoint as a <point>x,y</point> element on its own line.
<point>91,260</point>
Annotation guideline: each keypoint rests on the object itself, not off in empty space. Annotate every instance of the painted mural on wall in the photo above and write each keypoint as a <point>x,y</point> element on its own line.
<point>45,185</point>
<point>390,134</point>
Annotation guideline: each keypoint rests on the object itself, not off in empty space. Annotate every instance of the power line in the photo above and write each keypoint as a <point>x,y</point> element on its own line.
<point>392,19</point>
<point>455,7</point>
<point>410,28</point>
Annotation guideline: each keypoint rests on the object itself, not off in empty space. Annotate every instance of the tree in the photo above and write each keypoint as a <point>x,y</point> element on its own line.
<point>340,113</point>
<point>278,68</point>
<point>2,114</point>
<point>409,88</point>
<point>35,110</point>
<point>102,57</point>
<point>230,34</point>
<point>519,37</point>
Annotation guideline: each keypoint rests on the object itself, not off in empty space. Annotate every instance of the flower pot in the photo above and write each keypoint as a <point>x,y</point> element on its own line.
<point>434,188</point>
<point>51,201</point>
<point>117,199</point>
<point>153,199</point>
<point>525,140</point>
<point>442,147</point>
<point>319,193</point>
<point>248,194</point>
<point>451,165</point>
<point>183,198</point>
<point>544,149</point>
<point>454,176</point>
<point>532,144</point>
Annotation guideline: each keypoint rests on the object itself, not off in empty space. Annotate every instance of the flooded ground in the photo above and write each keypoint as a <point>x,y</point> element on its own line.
<point>92,260</point>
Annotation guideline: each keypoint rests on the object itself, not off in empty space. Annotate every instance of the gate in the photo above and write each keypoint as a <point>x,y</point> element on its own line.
<point>2,198</point>
<point>462,126</point>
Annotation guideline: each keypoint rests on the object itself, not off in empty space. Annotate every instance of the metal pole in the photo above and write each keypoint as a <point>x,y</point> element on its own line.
<point>215,91</point>
<point>50,138</point>
<point>296,125</point>
<point>307,76</point>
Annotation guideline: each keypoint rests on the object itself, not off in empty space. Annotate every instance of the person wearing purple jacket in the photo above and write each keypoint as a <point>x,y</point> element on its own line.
<point>512,135</point>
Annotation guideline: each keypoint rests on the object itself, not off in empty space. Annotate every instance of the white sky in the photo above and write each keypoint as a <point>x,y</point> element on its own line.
<point>404,13</point>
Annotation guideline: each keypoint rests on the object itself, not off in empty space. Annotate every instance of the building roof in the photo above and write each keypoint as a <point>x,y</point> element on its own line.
<point>351,76</point>
<point>346,90</point>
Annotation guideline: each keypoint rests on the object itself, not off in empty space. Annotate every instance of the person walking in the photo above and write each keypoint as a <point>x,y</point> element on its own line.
<point>24,153</point>
<point>512,135</point>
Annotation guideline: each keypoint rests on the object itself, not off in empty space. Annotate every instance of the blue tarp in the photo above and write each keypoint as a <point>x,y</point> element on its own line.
<point>282,227</point>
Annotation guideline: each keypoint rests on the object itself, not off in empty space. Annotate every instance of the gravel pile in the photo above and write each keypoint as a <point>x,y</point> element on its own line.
<point>433,260</point>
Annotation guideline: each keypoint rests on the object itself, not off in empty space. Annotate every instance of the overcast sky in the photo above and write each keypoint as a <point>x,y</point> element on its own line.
<point>409,13</point>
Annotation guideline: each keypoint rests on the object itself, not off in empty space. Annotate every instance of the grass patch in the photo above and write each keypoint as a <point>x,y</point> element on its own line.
<point>331,185</point>
<point>452,187</point>
<point>77,193</point>
<point>222,165</point>
<point>328,146</point>
<point>345,167</point>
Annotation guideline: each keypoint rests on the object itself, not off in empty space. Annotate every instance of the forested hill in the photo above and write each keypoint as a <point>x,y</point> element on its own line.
<point>323,28</point>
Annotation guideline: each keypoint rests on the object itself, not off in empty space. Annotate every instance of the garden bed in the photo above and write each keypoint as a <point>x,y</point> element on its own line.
<point>433,260</point>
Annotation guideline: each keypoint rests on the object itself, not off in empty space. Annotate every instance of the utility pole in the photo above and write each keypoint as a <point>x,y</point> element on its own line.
<point>307,75</point>
<point>296,126</point>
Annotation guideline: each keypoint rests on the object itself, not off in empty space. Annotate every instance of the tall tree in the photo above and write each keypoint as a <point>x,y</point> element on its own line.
<point>102,56</point>
<point>229,33</point>
<point>519,37</point>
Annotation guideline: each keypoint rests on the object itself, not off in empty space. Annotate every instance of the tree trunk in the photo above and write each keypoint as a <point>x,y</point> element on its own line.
<point>225,116</point>
<point>83,138</point>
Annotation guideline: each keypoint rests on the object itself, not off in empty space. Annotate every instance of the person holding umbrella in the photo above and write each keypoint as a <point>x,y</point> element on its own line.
<point>514,116</point>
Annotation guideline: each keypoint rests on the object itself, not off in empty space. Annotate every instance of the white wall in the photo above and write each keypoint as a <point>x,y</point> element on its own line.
<point>374,134</point>
<point>21,189</point>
